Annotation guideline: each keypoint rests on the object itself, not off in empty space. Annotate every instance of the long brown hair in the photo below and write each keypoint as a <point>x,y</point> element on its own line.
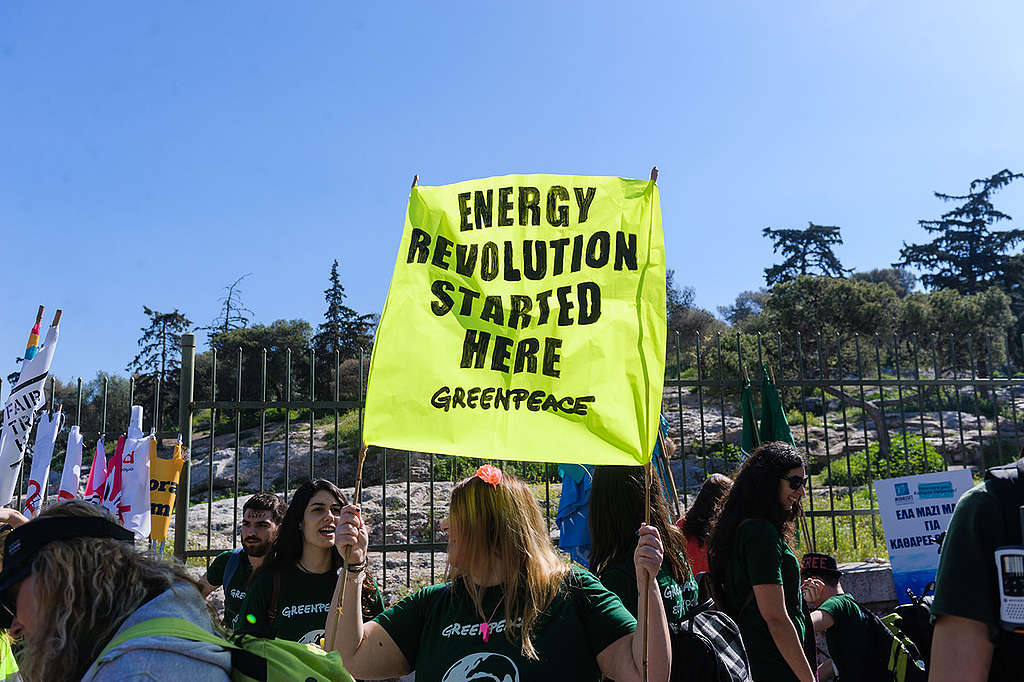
<point>754,495</point>
<point>85,589</point>
<point>500,525</point>
<point>617,510</point>
<point>701,515</point>
<point>286,549</point>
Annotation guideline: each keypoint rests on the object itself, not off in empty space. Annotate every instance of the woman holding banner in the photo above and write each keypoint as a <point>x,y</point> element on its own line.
<point>755,575</point>
<point>617,499</point>
<point>512,609</point>
<point>289,594</point>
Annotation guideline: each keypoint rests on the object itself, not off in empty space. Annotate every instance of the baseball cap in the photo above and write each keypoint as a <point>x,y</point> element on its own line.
<point>23,544</point>
<point>820,564</point>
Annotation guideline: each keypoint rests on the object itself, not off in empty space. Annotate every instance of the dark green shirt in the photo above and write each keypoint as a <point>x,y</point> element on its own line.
<point>302,605</point>
<point>760,556</point>
<point>967,585</point>
<point>849,639</point>
<point>235,592</point>
<point>679,598</point>
<point>438,631</point>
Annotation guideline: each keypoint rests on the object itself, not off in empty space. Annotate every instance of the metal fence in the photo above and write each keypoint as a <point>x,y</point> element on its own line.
<point>943,402</point>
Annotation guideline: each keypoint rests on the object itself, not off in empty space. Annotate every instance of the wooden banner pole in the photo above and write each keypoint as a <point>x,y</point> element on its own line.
<point>356,495</point>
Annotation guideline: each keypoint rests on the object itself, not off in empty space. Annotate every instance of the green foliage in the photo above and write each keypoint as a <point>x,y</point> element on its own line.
<point>748,304</point>
<point>966,255</point>
<point>796,418</point>
<point>343,330</point>
<point>807,252</point>
<point>917,456</point>
<point>159,359</point>
<point>458,468</point>
<point>901,280</point>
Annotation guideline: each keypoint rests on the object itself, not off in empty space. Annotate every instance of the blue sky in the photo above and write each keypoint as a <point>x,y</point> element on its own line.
<point>151,154</point>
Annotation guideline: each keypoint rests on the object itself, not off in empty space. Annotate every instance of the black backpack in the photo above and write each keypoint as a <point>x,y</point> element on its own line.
<point>916,620</point>
<point>892,656</point>
<point>709,647</point>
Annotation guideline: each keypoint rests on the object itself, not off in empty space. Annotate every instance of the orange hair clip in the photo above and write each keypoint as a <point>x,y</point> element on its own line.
<point>489,473</point>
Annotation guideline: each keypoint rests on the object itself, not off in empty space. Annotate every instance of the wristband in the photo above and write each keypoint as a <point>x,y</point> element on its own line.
<point>357,568</point>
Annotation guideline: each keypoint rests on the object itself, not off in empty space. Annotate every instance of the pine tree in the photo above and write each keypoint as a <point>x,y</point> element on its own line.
<point>807,252</point>
<point>160,357</point>
<point>343,329</point>
<point>966,255</point>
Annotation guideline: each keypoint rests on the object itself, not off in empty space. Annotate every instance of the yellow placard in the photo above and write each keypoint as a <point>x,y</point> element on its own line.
<point>163,487</point>
<point>525,321</point>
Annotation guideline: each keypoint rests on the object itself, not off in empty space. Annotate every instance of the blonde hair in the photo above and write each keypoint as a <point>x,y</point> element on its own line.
<point>85,589</point>
<point>501,525</point>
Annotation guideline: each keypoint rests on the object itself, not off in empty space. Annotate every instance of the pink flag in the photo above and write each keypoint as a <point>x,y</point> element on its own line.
<point>97,475</point>
<point>112,488</point>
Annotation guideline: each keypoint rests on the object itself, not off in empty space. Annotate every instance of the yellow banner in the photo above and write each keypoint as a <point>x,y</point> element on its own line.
<point>526,321</point>
<point>163,487</point>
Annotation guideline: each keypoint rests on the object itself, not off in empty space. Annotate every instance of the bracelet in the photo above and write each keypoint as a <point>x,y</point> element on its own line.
<point>357,568</point>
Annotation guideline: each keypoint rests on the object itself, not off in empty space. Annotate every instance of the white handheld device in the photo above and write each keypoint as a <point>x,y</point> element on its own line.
<point>1010,569</point>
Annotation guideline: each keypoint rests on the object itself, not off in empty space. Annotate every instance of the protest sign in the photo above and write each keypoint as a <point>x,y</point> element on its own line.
<point>915,512</point>
<point>525,320</point>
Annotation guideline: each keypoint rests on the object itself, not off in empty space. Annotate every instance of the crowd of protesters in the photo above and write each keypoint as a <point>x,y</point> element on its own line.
<point>72,583</point>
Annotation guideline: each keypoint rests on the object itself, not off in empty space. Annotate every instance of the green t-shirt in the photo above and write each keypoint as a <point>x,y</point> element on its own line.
<point>967,585</point>
<point>849,639</point>
<point>235,592</point>
<point>679,598</point>
<point>437,629</point>
<point>761,557</point>
<point>302,605</point>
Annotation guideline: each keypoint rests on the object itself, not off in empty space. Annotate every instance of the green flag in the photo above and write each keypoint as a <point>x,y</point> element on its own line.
<point>774,425</point>
<point>749,438</point>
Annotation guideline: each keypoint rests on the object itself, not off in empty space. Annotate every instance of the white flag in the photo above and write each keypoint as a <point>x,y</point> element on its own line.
<point>71,479</point>
<point>42,454</point>
<point>135,477</point>
<point>25,400</point>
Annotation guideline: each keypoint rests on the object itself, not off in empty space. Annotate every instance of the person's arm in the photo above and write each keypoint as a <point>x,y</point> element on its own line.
<point>367,649</point>
<point>205,587</point>
<point>11,516</point>
<point>771,602</point>
<point>821,620</point>
<point>961,650</point>
<point>622,660</point>
<point>214,576</point>
<point>826,671</point>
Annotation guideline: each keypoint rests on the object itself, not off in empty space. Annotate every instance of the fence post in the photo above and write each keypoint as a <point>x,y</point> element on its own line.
<point>188,366</point>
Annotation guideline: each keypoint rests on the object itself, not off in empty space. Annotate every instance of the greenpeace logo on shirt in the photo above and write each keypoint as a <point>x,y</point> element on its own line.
<point>473,629</point>
<point>237,594</point>
<point>304,609</point>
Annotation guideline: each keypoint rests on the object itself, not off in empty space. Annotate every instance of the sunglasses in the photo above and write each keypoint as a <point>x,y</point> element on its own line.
<point>796,482</point>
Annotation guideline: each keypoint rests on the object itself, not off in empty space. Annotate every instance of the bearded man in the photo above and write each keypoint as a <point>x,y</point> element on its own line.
<point>261,517</point>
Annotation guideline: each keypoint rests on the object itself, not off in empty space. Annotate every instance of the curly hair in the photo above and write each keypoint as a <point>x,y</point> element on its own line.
<point>754,495</point>
<point>87,588</point>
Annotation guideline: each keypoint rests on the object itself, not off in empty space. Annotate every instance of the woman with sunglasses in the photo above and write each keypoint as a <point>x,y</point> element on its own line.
<point>512,609</point>
<point>755,575</point>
